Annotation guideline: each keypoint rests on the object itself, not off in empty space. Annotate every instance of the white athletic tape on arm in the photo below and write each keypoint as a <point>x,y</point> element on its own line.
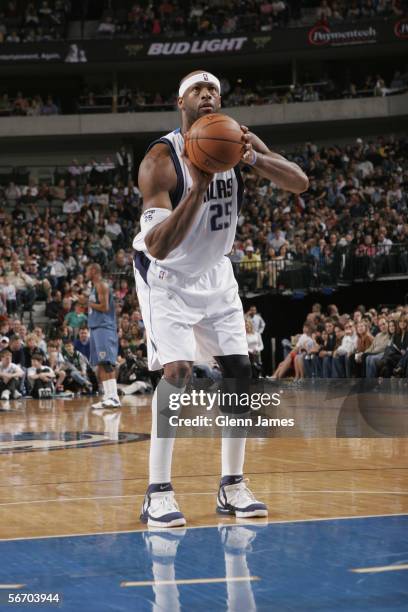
<point>151,217</point>
<point>201,77</point>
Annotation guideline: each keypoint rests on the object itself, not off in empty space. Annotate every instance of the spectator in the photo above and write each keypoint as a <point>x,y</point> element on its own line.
<point>113,229</point>
<point>325,355</point>
<point>40,378</point>
<point>42,345</point>
<point>13,194</point>
<point>120,265</point>
<point>249,267</point>
<point>397,347</point>
<point>11,376</point>
<point>124,165</point>
<point>9,295</point>
<point>303,347</point>
<point>255,346</point>
<point>56,271</point>
<point>82,343</point>
<point>71,206</point>
<point>76,318</point>
<point>58,365</point>
<point>24,285</point>
<point>31,348</point>
<point>342,354</point>
<point>107,26</point>
<point>375,352</point>
<point>256,319</point>
<point>54,308</point>
<point>49,108</point>
<point>277,240</point>
<point>18,355</point>
<point>78,369</point>
<point>303,344</point>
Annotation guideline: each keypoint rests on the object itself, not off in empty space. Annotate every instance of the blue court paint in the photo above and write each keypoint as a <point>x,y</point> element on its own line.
<point>302,566</point>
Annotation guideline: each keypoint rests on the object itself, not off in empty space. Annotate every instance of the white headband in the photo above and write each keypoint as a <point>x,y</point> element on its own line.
<point>202,77</point>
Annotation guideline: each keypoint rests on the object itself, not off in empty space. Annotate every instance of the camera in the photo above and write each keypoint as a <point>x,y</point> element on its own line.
<point>44,393</point>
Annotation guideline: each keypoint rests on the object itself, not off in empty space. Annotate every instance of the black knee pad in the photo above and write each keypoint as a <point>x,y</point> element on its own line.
<point>235,366</point>
<point>237,376</point>
<point>107,366</point>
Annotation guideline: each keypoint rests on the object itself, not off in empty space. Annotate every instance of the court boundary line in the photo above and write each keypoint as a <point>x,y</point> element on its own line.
<point>80,482</point>
<point>133,495</point>
<point>241,522</point>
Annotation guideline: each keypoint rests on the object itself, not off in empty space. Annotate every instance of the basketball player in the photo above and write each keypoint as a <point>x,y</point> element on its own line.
<point>104,336</point>
<point>186,287</point>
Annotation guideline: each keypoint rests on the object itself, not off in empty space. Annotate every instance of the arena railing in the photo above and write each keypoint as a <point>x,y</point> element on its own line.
<point>305,273</point>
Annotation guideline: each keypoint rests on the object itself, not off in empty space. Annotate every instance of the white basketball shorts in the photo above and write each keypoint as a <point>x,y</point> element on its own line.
<point>189,319</point>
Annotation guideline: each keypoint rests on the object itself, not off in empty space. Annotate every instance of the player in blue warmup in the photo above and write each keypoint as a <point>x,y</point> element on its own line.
<point>104,336</point>
<point>186,287</point>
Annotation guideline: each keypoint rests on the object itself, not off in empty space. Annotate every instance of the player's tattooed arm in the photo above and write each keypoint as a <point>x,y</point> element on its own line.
<point>157,180</point>
<point>102,290</point>
<point>283,173</point>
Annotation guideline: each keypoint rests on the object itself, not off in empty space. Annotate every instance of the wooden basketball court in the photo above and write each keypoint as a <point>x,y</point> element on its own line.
<point>67,471</point>
<point>51,487</point>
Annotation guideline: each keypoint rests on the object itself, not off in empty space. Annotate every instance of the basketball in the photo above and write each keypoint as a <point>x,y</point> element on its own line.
<point>214,143</point>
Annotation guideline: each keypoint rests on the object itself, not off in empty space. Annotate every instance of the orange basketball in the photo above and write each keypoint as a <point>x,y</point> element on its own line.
<point>214,143</point>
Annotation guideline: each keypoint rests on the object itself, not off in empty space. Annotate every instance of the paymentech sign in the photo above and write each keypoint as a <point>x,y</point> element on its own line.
<point>323,35</point>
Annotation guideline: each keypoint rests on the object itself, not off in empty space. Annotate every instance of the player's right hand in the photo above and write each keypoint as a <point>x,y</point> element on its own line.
<point>201,180</point>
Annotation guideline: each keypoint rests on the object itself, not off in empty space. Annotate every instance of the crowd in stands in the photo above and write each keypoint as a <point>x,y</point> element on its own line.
<point>27,106</point>
<point>352,221</point>
<point>194,18</point>
<point>248,94</point>
<point>48,235</point>
<point>336,11</point>
<point>237,94</point>
<point>369,343</point>
<point>356,204</point>
<point>37,21</point>
<point>45,20</point>
<point>197,18</point>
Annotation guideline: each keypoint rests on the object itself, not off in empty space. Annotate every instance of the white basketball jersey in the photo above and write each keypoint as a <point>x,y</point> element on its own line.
<point>213,231</point>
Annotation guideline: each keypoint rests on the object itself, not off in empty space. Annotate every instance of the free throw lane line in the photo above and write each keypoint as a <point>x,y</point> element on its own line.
<point>144,583</point>
<point>380,568</point>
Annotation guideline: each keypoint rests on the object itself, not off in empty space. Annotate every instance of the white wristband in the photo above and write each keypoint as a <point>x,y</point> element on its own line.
<point>254,158</point>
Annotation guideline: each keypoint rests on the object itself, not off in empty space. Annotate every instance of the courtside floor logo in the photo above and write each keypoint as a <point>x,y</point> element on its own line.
<point>30,441</point>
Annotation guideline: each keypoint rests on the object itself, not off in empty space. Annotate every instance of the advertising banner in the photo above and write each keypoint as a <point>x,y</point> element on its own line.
<point>290,41</point>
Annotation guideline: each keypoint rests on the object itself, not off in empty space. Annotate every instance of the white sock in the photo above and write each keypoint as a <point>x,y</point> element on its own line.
<point>167,595</point>
<point>110,388</point>
<point>240,594</point>
<point>161,449</point>
<point>232,456</point>
<point>105,390</point>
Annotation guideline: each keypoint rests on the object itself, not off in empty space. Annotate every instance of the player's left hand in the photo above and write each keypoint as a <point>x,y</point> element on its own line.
<point>249,140</point>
